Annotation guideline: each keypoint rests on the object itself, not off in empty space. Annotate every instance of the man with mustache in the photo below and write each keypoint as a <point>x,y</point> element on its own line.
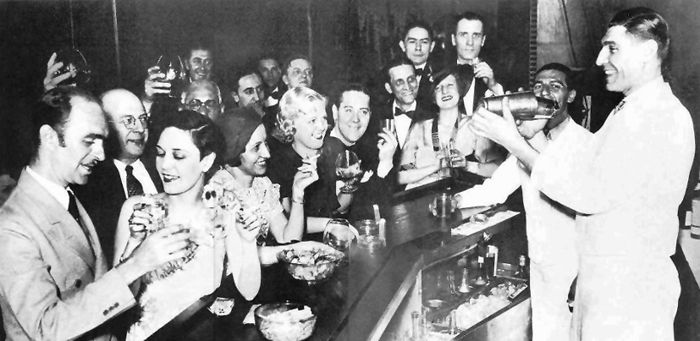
<point>550,226</point>
<point>124,173</point>
<point>54,278</point>
<point>625,183</point>
<point>401,82</point>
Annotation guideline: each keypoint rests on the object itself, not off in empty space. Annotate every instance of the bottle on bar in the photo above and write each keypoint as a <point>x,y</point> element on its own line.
<point>481,272</point>
<point>522,268</point>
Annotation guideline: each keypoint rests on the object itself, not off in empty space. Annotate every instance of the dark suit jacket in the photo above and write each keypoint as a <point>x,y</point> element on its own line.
<point>103,197</point>
<point>53,275</point>
<point>425,87</point>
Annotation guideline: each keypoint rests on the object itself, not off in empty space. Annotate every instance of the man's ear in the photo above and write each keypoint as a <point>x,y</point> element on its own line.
<point>454,41</point>
<point>388,88</point>
<point>334,108</point>
<point>402,46</point>
<point>285,79</point>
<point>206,162</point>
<point>432,46</point>
<point>48,135</point>
<point>572,96</point>
<point>649,49</point>
<point>234,94</point>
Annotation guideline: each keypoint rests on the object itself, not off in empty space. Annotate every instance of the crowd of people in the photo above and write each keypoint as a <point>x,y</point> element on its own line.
<point>135,210</point>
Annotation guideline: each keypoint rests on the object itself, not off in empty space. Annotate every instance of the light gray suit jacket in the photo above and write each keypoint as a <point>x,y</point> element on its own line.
<point>54,283</point>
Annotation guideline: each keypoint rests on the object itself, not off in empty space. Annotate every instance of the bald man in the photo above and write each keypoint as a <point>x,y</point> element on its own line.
<point>204,97</point>
<point>123,173</point>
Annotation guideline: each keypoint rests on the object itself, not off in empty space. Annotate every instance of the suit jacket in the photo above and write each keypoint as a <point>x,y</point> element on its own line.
<point>103,197</point>
<point>425,95</point>
<point>54,283</point>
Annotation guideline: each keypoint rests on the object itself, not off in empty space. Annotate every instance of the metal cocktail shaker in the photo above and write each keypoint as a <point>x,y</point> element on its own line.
<point>523,105</point>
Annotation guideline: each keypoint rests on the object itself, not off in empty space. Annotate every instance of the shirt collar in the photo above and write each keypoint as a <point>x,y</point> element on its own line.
<point>122,166</point>
<point>56,191</point>
<point>647,90</point>
<point>335,133</point>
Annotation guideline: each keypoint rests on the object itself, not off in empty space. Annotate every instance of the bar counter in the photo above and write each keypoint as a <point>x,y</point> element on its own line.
<point>358,301</point>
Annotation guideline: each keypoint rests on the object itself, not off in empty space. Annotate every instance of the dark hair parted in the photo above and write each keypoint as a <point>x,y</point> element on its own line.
<point>645,23</point>
<point>418,24</point>
<point>402,60</point>
<point>470,16</point>
<point>290,59</point>
<point>342,89</point>
<point>569,75</point>
<point>53,109</point>
<point>205,135</point>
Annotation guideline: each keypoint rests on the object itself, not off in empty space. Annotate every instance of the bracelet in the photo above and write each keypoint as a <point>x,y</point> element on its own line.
<point>300,202</point>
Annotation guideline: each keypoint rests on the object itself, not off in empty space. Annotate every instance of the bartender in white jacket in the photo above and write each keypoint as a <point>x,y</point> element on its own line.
<point>625,183</point>
<point>550,226</point>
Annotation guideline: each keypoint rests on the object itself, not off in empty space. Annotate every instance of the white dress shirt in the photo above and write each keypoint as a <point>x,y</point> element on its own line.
<point>402,122</point>
<point>140,173</point>
<point>56,191</point>
<point>626,183</point>
<point>551,243</point>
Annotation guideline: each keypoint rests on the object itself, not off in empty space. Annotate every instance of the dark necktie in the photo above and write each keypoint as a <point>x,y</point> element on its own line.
<point>133,186</point>
<point>73,208</point>
<point>419,72</point>
<point>399,112</point>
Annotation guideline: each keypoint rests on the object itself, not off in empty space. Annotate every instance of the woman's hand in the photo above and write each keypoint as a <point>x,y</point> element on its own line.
<point>305,176</point>
<point>248,224</point>
<point>139,221</point>
<point>51,80</point>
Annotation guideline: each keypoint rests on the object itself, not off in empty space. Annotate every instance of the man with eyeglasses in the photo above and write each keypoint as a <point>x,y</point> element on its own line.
<point>298,72</point>
<point>204,97</point>
<point>123,173</point>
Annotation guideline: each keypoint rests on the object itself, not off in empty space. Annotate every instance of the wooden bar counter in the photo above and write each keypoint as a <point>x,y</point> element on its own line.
<point>362,296</point>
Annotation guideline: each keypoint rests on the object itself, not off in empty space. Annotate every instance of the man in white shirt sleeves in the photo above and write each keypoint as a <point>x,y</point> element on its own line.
<point>550,226</point>
<point>625,184</point>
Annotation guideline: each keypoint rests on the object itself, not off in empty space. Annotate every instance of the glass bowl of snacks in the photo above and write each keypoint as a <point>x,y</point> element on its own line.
<point>311,262</point>
<point>286,321</point>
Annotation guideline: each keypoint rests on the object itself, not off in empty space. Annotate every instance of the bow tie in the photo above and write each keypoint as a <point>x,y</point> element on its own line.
<point>419,71</point>
<point>399,112</point>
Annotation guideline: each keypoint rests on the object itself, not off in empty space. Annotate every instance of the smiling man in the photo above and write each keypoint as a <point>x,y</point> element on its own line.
<point>626,206</point>
<point>550,226</point>
<point>352,116</point>
<point>124,173</point>
<point>54,279</point>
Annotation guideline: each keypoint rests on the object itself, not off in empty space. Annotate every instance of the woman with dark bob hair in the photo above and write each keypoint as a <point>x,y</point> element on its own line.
<point>187,151</point>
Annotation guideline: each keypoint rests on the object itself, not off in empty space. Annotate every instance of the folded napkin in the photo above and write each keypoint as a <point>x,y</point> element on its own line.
<point>470,227</point>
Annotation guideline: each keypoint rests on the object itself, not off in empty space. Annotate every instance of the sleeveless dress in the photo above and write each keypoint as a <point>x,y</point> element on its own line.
<point>169,290</point>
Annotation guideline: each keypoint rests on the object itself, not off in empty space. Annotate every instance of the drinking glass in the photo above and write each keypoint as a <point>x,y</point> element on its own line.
<point>347,169</point>
<point>369,238</point>
<point>443,205</point>
<point>74,63</point>
<point>339,234</point>
<point>389,124</point>
<point>173,71</point>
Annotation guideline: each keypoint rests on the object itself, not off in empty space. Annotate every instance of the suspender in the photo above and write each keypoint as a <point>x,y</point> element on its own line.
<point>436,136</point>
